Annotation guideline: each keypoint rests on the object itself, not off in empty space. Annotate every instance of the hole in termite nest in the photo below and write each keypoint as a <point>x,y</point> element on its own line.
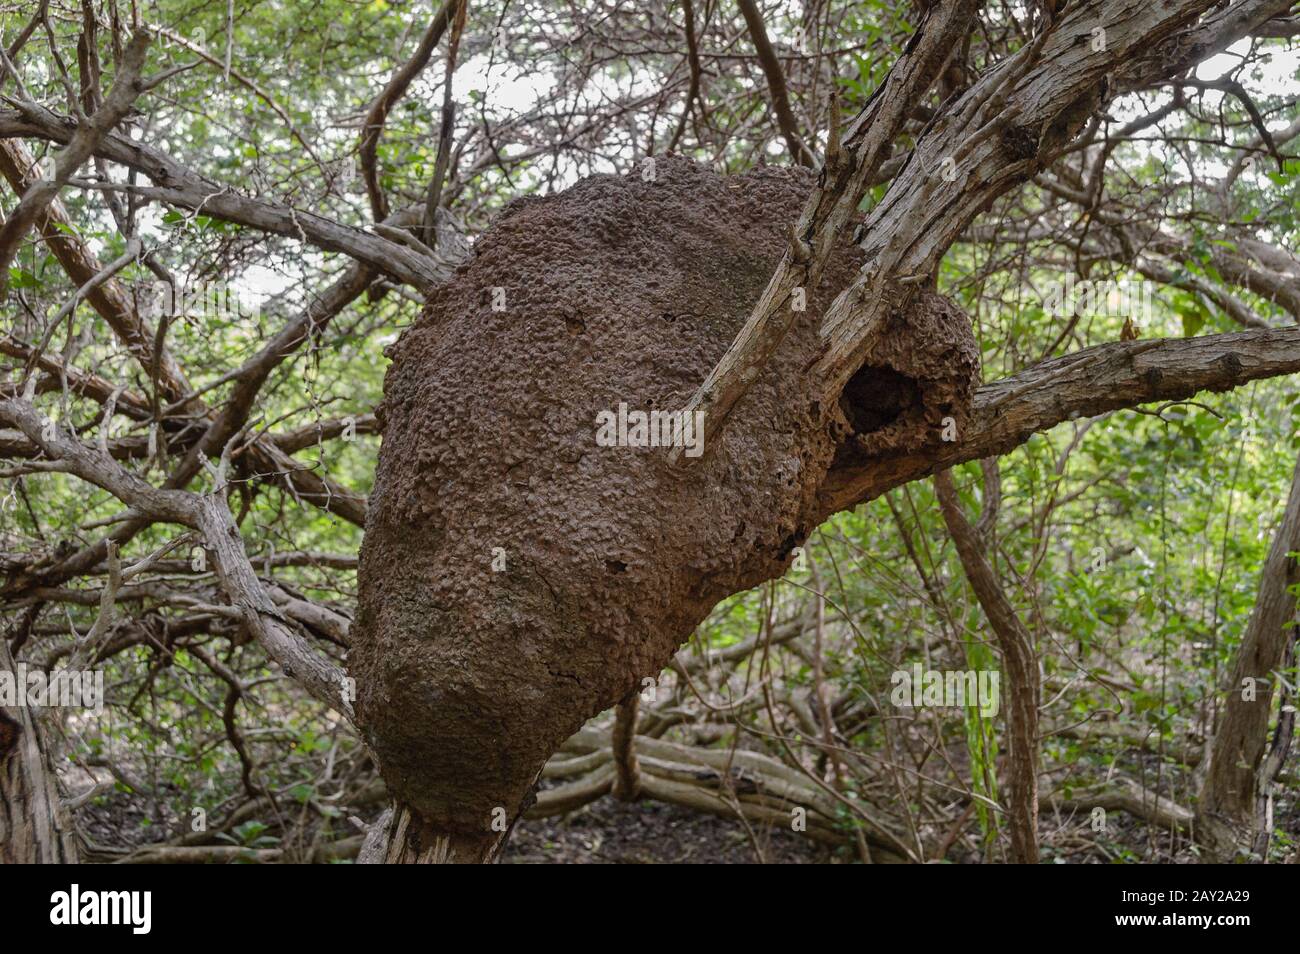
<point>876,397</point>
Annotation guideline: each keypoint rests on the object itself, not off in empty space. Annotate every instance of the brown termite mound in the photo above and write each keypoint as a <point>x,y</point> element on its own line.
<point>516,577</point>
<point>916,383</point>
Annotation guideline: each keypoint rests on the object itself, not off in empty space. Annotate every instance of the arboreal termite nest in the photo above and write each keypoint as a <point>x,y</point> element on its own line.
<point>619,290</point>
<point>915,384</point>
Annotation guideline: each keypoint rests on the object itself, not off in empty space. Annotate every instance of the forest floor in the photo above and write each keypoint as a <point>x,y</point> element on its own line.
<point>647,832</point>
<point>608,831</point>
<point>613,832</point>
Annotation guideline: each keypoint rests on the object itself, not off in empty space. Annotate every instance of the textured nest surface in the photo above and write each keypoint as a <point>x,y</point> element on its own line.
<point>920,375</point>
<point>617,290</point>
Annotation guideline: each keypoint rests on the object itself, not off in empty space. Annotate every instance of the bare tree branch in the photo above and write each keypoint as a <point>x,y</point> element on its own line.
<point>373,126</point>
<point>80,145</point>
<point>1090,382</point>
<point>776,84</point>
<point>841,183</point>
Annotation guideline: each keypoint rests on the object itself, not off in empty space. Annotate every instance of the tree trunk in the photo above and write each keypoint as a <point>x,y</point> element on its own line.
<point>517,577</point>
<point>627,777</point>
<point>403,838</point>
<point>1275,759</point>
<point>34,827</point>
<point>1227,821</point>
<point>1021,665</point>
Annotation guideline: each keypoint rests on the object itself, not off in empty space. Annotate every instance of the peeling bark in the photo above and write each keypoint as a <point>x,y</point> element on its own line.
<point>1089,382</point>
<point>34,826</point>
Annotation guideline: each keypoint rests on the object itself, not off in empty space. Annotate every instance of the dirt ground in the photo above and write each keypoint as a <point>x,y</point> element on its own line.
<point>612,832</point>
